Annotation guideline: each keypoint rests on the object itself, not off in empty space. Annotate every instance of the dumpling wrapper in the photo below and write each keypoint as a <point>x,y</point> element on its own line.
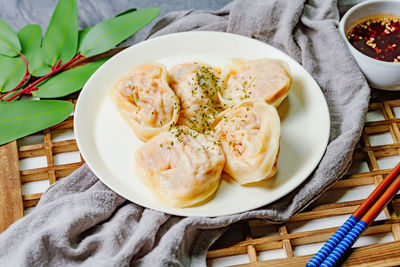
<point>250,136</point>
<point>146,101</point>
<point>269,79</point>
<point>196,85</point>
<point>181,166</point>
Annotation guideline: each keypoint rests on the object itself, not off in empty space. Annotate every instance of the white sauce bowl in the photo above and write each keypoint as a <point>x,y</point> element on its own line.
<point>380,74</point>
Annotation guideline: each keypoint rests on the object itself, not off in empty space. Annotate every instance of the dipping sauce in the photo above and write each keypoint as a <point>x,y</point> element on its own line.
<point>377,37</point>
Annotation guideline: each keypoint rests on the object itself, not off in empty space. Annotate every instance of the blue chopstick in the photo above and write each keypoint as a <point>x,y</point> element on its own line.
<point>331,244</point>
<point>344,245</point>
<point>344,238</point>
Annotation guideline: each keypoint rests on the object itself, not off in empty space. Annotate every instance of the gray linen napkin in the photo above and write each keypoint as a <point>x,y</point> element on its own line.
<point>79,221</point>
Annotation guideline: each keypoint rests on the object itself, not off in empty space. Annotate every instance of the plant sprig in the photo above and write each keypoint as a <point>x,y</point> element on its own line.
<point>31,64</point>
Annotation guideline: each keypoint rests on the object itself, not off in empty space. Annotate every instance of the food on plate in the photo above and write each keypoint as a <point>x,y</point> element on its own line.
<point>181,166</point>
<point>146,101</point>
<point>269,79</point>
<point>249,134</point>
<point>189,138</point>
<point>196,85</point>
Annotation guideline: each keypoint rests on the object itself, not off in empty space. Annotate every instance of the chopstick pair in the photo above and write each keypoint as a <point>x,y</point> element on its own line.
<point>344,238</point>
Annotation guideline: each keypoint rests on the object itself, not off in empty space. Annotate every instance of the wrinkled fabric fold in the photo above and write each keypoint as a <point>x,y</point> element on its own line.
<point>79,221</point>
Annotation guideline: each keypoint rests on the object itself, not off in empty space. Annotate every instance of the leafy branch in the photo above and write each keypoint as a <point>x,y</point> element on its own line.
<point>31,87</point>
<point>37,66</point>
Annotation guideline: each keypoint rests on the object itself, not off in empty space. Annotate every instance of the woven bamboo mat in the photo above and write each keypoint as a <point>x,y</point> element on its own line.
<point>256,236</point>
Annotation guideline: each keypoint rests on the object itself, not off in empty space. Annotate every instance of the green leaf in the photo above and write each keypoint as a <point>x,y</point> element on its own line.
<point>20,118</point>
<point>125,12</point>
<point>9,43</point>
<point>68,81</point>
<point>39,66</point>
<point>61,38</point>
<point>105,35</point>
<point>12,72</point>
<point>30,38</point>
<point>82,34</point>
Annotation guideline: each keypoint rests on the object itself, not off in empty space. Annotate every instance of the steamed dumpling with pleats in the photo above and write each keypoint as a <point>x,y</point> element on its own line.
<point>196,85</point>
<point>269,79</point>
<point>249,134</point>
<point>182,167</point>
<point>146,101</point>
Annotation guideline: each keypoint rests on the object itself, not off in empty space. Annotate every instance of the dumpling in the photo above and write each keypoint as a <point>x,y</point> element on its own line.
<point>146,101</point>
<point>268,79</point>
<point>181,166</point>
<point>196,85</point>
<point>249,134</point>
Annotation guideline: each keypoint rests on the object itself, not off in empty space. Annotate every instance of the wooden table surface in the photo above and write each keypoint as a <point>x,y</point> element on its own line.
<point>28,166</point>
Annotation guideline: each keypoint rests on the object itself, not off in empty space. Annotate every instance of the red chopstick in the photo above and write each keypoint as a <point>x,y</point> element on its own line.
<point>360,213</point>
<point>351,237</point>
<point>382,202</point>
<point>363,208</point>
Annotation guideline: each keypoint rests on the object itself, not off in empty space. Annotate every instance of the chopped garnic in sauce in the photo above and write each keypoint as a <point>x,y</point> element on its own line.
<point>377,37</point>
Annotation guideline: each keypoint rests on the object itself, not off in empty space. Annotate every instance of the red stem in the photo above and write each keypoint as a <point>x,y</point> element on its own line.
<point>57,68</point>
<point>26,76</point>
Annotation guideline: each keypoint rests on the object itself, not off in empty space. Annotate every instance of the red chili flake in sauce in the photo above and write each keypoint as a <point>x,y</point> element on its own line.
<point>378,38</point>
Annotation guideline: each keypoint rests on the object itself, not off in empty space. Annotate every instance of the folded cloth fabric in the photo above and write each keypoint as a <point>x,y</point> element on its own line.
<point>79,221</point>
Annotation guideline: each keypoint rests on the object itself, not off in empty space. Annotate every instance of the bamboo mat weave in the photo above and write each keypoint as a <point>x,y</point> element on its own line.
<point>256,237</point>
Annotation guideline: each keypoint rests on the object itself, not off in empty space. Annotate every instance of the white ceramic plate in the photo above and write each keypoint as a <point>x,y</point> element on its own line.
<point>107,143</point>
